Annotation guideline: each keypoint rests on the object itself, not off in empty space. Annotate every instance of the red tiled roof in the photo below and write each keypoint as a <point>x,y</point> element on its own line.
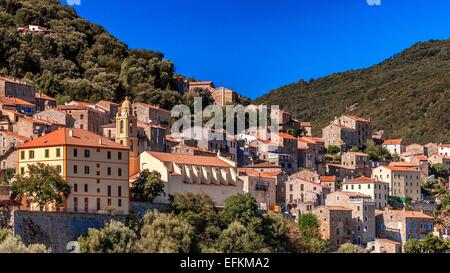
<point>403,169</point>
<point>327,179</point>
<point>191,159</point>
<point>106,104</point>
<point>43,96</point>
<point>14,101</point>
<point>265,165</point>
<point>360,119</point>
<point>444,145</point>
<point>311,140</point>
<point>358,153</point>
<point>264,174</point>
<point>287,136</point>
<point>405,164</point>
<point>305,124</point>
<point>201,83</point>
<point>411,214</point>
<point>363,180</point>
<point>393,141</point>
<point>79,137</point>
<point>338,208</point>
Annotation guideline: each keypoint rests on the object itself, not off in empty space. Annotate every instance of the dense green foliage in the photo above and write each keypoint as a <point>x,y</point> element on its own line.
<point>405,95</point>
<point>13,244</point>
<point>78,60</point>
<point>148,186</point>
<point>439,170</point>
<point>43,184</point>
<point>309,228</point>
<point>430,244</point>
<point>115,237</point>
<point>377,152</point>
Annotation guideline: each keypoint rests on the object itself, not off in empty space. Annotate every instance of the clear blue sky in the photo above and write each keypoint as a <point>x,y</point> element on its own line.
<point>253,46</point>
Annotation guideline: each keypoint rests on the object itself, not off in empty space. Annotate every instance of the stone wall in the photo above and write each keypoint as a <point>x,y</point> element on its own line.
<point>57,229</point>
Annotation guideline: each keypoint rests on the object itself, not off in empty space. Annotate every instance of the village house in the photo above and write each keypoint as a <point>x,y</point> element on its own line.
<point>184,149</point>
<point>96,168</point>
<point>86,117</point>
<point>394,146</point>
<point>335,224</point>
<point>44,102</point>
<point>10,87</point>
<point>32,128</point>
<point>417,149</point>
<point>307,175</point>
<point>111,107</point>
<point>8,146</point>
<point>224,96</point>
<point>302,196</point>
<point>262,186</point>
<point>311,154</point>
<point>328,181</point>
<point>151,114</point>
<point>56,116</point>
<point>16,104</point>
<point>359,161</point>
<point>33,28</point>
<point>341,172</point>
<point>444,149</point>
<point>377,190</point>
<point>207,85</point>
<point>347,131</point>
<point>363,213</point>
<point>401,226</point>
<point>433,149</point>
<point>213,176</point>
<point>404,182</point>
<point>384,246</point>
<point>307,127</point>
<point>419,163</point>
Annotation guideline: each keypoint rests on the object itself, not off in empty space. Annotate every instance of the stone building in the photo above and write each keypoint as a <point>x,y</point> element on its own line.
<point>404,182</point>
<point>401,226</point>
<point>377,190</point>
<point>86,117</point>
<point>14,88</point>
<point>111,107</point>
<point>44,102</point>
<point>8,146</point>
<point>224,96</point>
<point>32,128</point>
<point>16,104</point>
<point>207,85</point>
<point>56,116</point>
<point>348,131</point>
<point>262,186</point>
<point>417,149</point>
<point>311,154</point>
<point>363,213</point>
<point>302,196</point>
<point>394,146</point>
<point>360,162</point>
<point>335,224</point>
<point>151,114</point>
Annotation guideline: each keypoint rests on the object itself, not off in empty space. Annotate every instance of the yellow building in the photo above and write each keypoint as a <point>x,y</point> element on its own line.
<point>127,134</point>
<point>96,168</point>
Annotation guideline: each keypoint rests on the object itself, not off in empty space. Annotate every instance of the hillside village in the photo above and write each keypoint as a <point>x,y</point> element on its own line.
<point>372,192</point>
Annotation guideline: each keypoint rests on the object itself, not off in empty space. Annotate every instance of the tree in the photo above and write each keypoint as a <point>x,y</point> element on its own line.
<point>276,232</point>
<point>42,184</point>
<point>148,186</point>
<point>13,244</point>
<point>377,152</point>
<point>292,132</point>
<point>333,150</point>
<point>439,171</point>
<point>204,94</point>
<point>309,226</point>
<point>241,208</point>
<point>429,244</point>
<point>164,233</point>
<point>351,248</point>
<point>200,212</point>
<point>115,237</point>
<point>238,239</point>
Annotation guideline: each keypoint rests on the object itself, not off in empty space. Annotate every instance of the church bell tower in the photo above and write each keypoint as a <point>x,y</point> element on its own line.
<point>127,134</point>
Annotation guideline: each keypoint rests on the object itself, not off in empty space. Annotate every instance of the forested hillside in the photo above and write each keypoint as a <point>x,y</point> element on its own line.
<point>78,59</point>
<point>407,95</point>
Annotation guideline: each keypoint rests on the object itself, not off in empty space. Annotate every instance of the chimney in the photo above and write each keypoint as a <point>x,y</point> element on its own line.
<point>71,133</point>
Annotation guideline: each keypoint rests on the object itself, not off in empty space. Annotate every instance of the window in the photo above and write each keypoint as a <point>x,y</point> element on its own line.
<point>119,203</point>
<point>86,170</point>
<point>22,170</point>
<point>59,169</point>
<point>98,204</point>
<point>75,187</point>
<point>81,116</point>
<point>291,187</point>
<point>109,170</point>
<point>75,169</point>
<point>119,190</point>
<point>109,190</point>
<point>109,155</point>
<point>31,154</point>
<point>119,171</point>
<point>58,152</point>
<point>75,203</point>
<point>119,155</point>
<point>87,153</point>
<point>86,204</point>
<point>75,152</point>
<point>109,202</point>
<point>47,153</point>
<point>86,188</point>
<point>22,154</point>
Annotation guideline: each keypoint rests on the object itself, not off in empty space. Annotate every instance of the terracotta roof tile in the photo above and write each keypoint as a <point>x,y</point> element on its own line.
<point>363,180</point>
<point>191,159</point>
<point>327,179</point>
<point>411,214</point>
<point>14,101</point>
<point>79,137</point>
<point>393,141</point>
<point>43,96</point>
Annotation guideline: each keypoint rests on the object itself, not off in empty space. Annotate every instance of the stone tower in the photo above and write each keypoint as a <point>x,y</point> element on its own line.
<point>127,134</point>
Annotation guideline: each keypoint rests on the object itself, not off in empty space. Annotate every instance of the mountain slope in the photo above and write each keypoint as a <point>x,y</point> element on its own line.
<point>78,60</point>
<point>407,95</point>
